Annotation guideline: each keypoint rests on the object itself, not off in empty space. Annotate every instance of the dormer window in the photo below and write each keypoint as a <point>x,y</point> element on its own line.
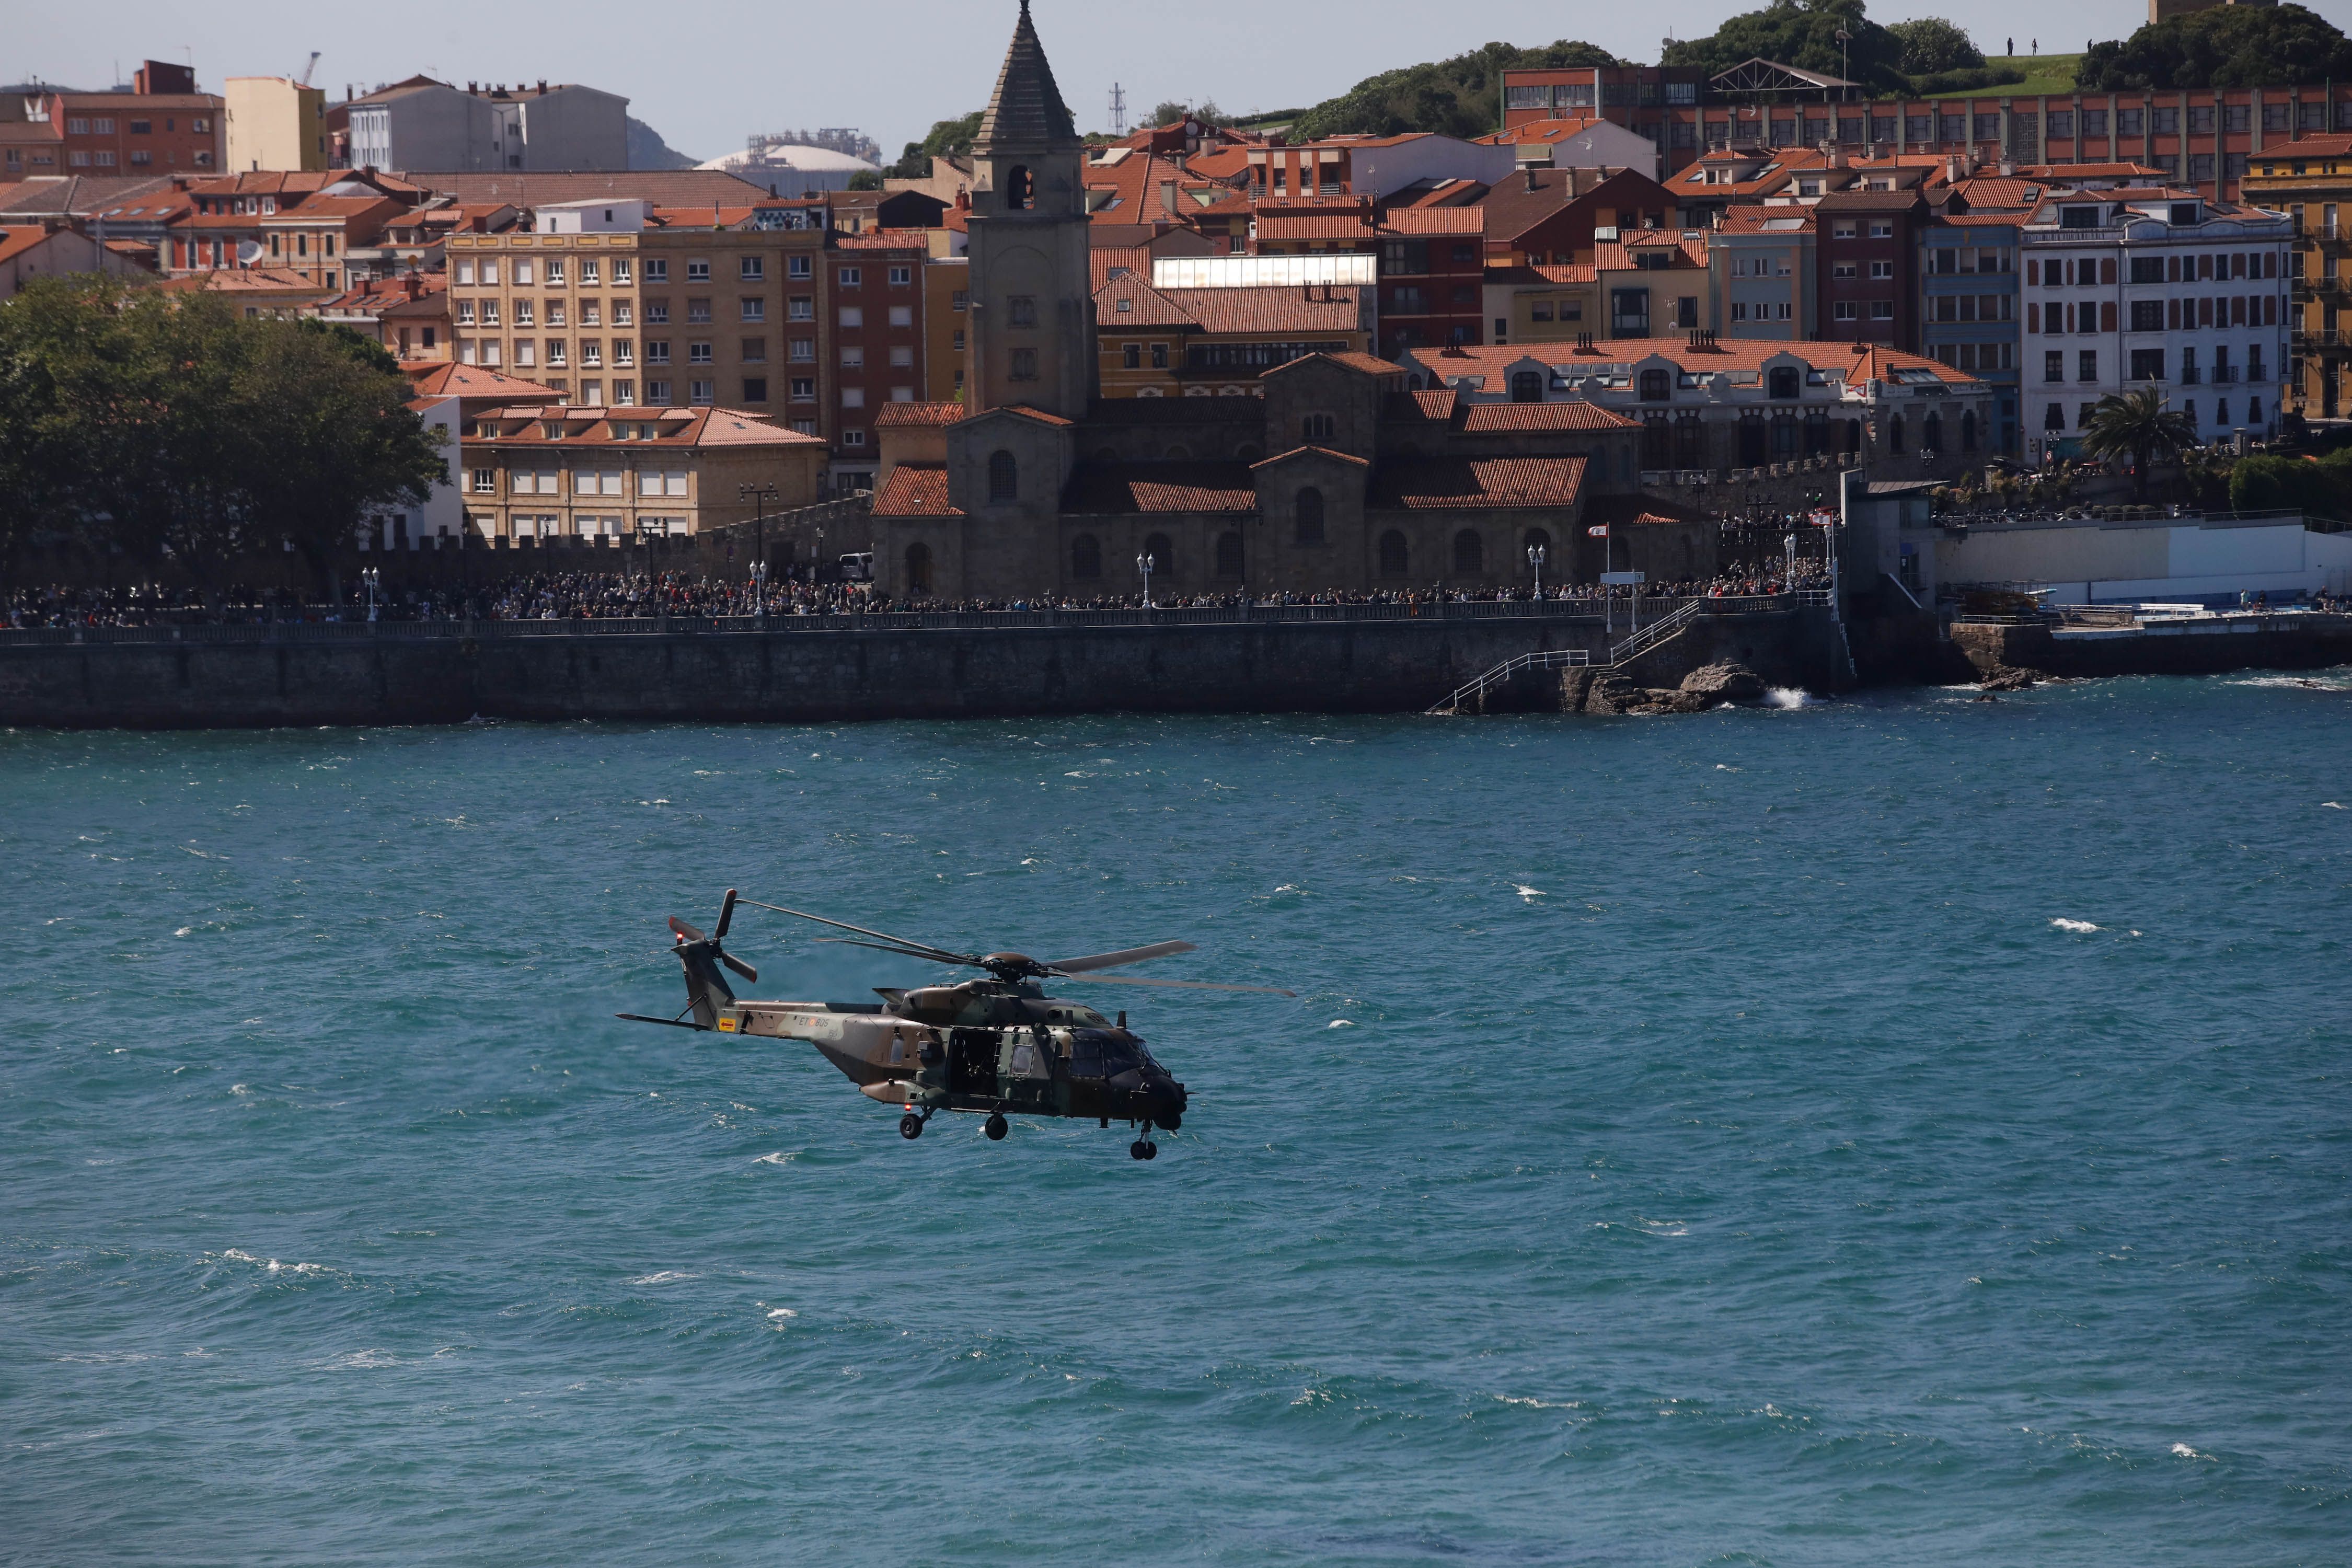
<point>2184,213</point>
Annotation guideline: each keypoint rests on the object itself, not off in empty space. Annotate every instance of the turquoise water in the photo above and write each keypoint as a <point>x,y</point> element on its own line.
<point>1697,1141</point>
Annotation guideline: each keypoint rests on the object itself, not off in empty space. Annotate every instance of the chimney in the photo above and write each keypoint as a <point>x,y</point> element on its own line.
<point>1168,198</point>
<point>2008,167</point>
<point>542,87</point>
<point>1531,177</point>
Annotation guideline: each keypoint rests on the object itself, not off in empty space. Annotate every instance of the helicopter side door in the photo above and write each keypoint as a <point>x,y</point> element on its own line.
<point>972,1062</point>
<point>1027,1069</point>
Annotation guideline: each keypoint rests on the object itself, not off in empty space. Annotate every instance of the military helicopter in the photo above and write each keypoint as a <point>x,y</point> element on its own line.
<point>998,1045</point>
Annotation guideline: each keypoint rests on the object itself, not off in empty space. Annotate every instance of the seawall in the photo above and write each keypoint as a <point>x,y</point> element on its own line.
<point>2201,645</point>
<point>1402,664</point>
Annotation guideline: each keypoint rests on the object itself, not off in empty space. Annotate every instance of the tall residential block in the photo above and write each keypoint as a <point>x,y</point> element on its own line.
<point>275,123</point>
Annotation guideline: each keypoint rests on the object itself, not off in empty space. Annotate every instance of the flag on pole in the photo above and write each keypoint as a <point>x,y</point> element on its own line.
<point>1599,531</point>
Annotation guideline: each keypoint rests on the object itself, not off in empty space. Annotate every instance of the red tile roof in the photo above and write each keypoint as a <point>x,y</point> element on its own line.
<point>452,380</point>
<point>884,239</point>
<point>916,489</point>
<point>1122,488</point>
<point>1431,484</point>
<point>591,425</point>
<point>16,241</point>
<point>1026,412</point>
<point>1434,220</point>
<point>909,415</point>
<point>1493,418</point>
<point>1364,364</point>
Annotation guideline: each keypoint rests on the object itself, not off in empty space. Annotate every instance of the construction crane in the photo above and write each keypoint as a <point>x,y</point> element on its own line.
<point>305,79</point>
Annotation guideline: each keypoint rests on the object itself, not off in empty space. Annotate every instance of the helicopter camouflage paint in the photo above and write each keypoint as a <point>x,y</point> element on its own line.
<point>999,1046</point>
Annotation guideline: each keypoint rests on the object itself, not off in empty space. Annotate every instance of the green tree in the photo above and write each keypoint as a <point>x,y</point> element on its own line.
<point>325,437</point>
<point>2138,426</point>
<point>1931,45</point>
<point>1801,33</point>
<point>946,138</point>
<point>2229,46</point>
<point>2317,487</point>
<point>866,180</point>
<point>1457,97</point>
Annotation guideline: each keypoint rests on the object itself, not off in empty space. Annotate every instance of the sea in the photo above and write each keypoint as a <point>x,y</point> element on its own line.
<point>1904,1128</point>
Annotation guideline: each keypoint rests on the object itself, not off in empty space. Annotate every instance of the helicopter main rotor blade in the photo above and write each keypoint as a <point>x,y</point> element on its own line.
<point>740,967</point>
<point>1125,955</point>
<point>922,948</point>
<point>927,957</point>
<point>726,914</point>
<point>685,932</point>
<point>1176,985</point>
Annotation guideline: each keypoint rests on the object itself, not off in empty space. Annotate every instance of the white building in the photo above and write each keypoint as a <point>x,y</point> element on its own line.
<point>795,170</point>
<point>431,126</point>
<point>2124,289</point>
<point>442,518</point>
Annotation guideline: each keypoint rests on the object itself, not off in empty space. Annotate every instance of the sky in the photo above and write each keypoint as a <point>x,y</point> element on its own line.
<point>708,74</point>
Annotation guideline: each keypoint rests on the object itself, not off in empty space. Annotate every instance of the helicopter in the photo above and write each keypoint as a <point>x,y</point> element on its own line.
<point>997,1045</point>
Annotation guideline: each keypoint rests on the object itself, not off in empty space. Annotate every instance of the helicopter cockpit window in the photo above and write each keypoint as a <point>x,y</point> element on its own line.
<point>1094,1054</point>
<point>1028,1061</point>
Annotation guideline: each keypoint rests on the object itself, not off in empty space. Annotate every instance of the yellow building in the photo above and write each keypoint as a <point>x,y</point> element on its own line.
<point>616,303</point>
<point>274,123</point>
<point>947,315</point>
<point>619,474</point>
<point>2311,182</point>
<point>1542,303</point>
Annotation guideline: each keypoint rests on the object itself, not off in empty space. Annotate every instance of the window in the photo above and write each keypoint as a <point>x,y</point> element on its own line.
<point>697,354</point>
<point>1845,270</point>
<point>698,310</point>
<point>2147,364</point>
<point>1656,385</point>
<point>2148,315</point>
<point>754,351</point>
<point>1784,380</point>
<point>1307,513</point>
<point>755,389</point>
<point>1844,310</point>
<point>555,350</point>
<point>803,389</point>
<point>2086,365</point>
<point>620,274</point>
<point>658,394</point>
<point>1988,127</point>
<point>1020,310</point>
<point>1882,269</point>
<point>1880,229</point>
<point>1319,426</point>
<point>752,269</point>
<point>657,350</point>
<point>1086,557</point>
<point>1004,477</point>
<point>1022,365</point>
<point>1882,309</point>
<point>755,309</point>
<point>592,353</point>
<point>656,312</point>
<point>902,315</point>
<point>696,271</point>
<point>1394,561</point>
<point>902,276</point>
<point>1131,356</point>
<point>657,270</point>
<point>554,272</point>
<point>797,267</point>
<point>852,316</point>
<point>702,393</point>
<point>485,481</point>
<point>1469,553</point>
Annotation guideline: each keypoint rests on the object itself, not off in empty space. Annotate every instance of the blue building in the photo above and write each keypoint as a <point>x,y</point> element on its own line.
<point>1969,319</point>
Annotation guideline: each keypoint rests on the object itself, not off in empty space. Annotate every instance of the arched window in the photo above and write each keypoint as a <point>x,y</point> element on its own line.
<point>1004,477</point>
<point>918,569</point>
<point>1319,428</point>
<point>1086,556</point>
<point>1019,191</point>
<point>1469,553</point>
<point>1932,432</point>
<point>1968,430</point>
<point>1526,386</point>
<point>1657,385</point>
<point>1393,560</point>
<point>1229,554</point>
<point>1784,382</point>
<point>1853,435</point>
<point>1895,433</point>
<point>1785,434</point>
<point>1657,439</point>
<point>1308,510</point>
<point>1163,557</point>
<point>1179,453</point>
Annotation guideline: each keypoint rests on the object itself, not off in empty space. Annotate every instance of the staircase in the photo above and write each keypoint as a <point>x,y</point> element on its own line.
<point>1501,674</point>
<point>1621,654</point>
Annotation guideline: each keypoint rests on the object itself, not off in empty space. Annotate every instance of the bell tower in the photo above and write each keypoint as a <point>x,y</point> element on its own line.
<point>1031,296</point>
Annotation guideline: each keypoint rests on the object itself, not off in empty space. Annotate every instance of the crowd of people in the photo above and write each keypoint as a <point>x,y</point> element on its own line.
<point>607,595</point>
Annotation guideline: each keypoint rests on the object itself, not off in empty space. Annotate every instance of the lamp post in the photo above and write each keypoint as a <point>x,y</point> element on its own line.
<point>1844,39</point>
<point>759,591</point>
<point>1536,556</point>
<point>1144,564</point>
<point>647,531</point>
<point>371,576</point>
<point>759,495</point>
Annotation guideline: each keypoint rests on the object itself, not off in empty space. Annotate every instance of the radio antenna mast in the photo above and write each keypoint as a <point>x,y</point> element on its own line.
<point>1118,109</point>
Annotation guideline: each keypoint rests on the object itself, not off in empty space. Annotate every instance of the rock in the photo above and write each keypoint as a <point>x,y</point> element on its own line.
<point>1725,681</point>
<point>2009,678</point>
<point>1687,701</point>
<point>1613,693</point>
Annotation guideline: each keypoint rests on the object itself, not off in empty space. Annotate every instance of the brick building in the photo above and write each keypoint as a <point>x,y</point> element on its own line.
<point>1866,255</point>
<point>162,125</point>
<point>877,299</point>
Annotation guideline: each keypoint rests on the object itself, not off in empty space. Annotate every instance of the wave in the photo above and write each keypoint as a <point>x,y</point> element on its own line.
<point>1790,697</point>
<point>2078,927</point>
<point>665,1277</point>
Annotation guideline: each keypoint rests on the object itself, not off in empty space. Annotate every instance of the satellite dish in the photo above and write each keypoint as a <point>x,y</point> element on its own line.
<point>248,251</point>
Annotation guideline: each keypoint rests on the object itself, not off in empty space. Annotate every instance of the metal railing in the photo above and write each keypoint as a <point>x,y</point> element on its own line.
<point>1649,636</point>
<point>1550,658</point>
<point>1656,632</point>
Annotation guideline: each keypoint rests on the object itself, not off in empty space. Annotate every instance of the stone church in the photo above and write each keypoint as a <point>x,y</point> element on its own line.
<point>1337,476</point>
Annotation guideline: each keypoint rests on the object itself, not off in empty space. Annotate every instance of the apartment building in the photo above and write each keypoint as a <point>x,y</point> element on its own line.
<point>408,314</point>
<point>535,471</point>
<point>2122,289</point>
<point>1219,338</point>
<point>2311,182</point>
<point>1969,314</point>
<point>304,223</point>
<point>1541,302</point>
<point>1374,167</point>
<point>1866,244</point>
<point>617,302</point>
<point>2207,137</point>
<point>1549,217</point>
<point>1433,269</point>
<point>425,123</point>
<point>875,298</point>
<point>162,126</point>
<point>947,314</point>
<point>1651,281</point>
<point>275,123</point>
<point>1762,275</point>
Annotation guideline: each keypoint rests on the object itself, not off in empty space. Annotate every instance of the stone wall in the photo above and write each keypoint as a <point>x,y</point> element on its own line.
<point>2253,642</point>
<point>1389,666</point>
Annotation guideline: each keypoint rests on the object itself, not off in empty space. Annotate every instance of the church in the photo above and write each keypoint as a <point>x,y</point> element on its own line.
<point>1347,473</point>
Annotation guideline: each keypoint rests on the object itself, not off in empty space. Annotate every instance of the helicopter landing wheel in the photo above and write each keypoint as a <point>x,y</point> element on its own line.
<point>911,1126</point>
<point>996,1127</point>
<point>1139,1149</point>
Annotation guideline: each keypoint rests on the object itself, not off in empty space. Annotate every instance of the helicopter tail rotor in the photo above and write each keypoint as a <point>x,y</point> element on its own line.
<point>706,989</point>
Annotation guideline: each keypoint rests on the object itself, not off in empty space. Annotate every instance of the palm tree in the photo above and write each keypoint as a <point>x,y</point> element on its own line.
<point>2136,425</point>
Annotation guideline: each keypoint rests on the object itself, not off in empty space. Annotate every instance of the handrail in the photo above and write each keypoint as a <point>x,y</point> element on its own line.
<point>1650,636</point>
<point>1548,658</point>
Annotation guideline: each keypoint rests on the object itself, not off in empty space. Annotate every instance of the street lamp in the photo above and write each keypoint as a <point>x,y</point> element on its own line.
<point>370,577</point>
<point>1144,564</point>
<point>648,531</point>
<point>1535,557</point>
<point>759,495</point>
<point>1844,39</point>
<point>760,590</point>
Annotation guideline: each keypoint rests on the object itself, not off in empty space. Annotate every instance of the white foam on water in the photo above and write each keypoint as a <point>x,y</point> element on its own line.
<point>784,1312</point>
<point>1525,892</point>
<point>363,1361</point>
<point>184,930</point>
<point>1340,1024</point>
<point>2184,1451</point>
<point>1725,768</point>
<point>779,1158</point>
<point>2330,805</point>
<point>2078,927</point>
<point>1290,888</point>
<point>665,1277</point>
<point>1536,1404</point>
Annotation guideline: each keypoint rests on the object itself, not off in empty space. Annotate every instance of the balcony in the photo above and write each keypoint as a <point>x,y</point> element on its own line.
<point>2190,375</point>
<point>2225,374</point>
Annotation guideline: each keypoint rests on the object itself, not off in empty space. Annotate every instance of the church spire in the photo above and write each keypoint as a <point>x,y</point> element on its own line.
<point>1026,111</point>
